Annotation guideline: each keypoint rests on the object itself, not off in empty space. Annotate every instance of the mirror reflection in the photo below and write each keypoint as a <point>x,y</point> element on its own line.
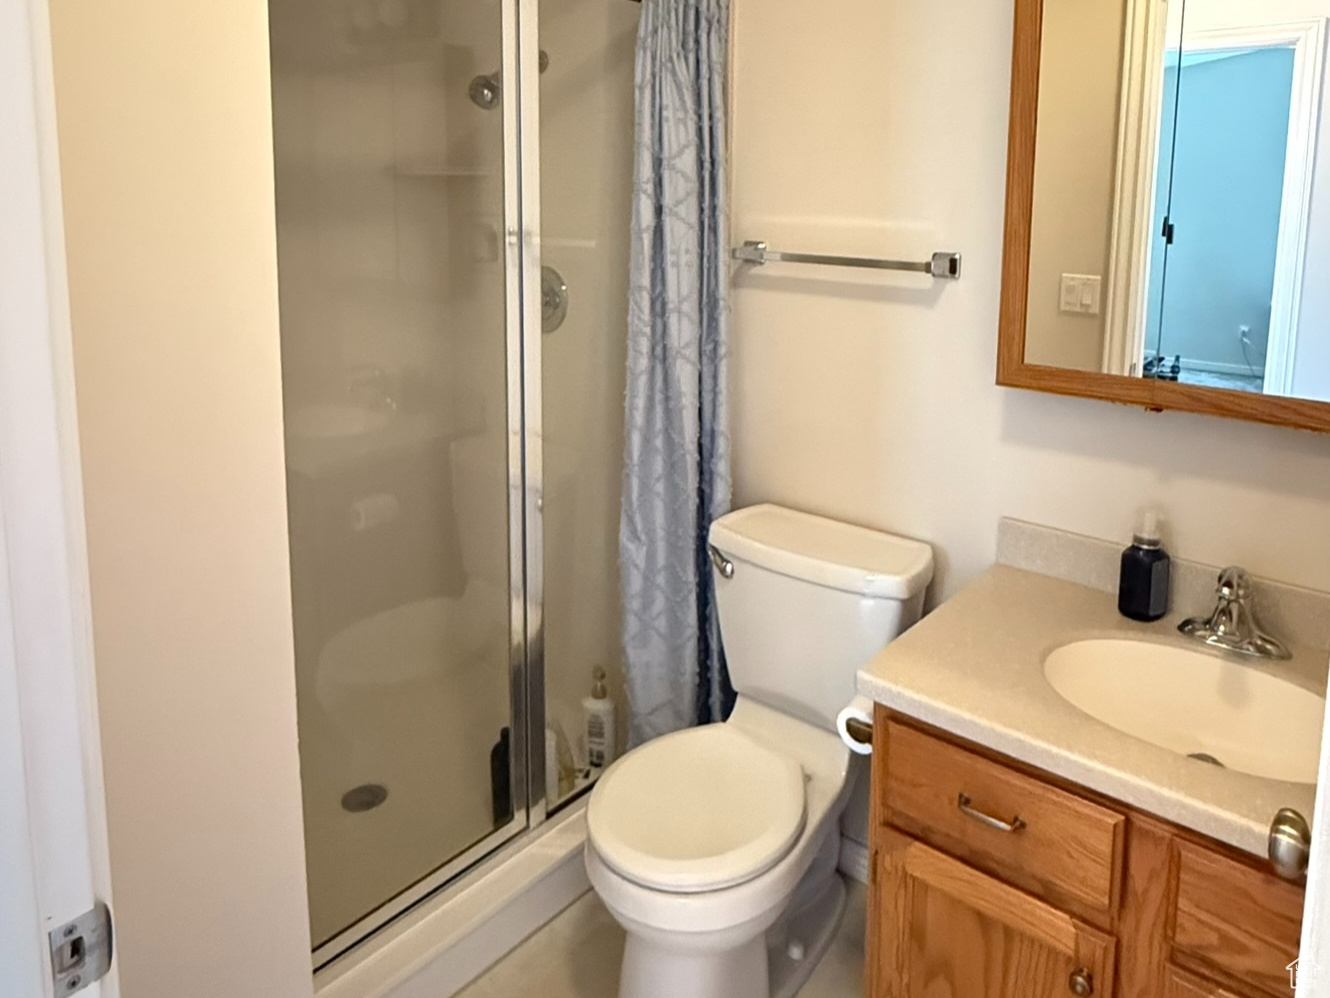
<point>1180,228</point>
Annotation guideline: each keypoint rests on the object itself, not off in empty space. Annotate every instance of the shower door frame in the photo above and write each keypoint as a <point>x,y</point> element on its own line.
<point>529,675</point>
<point>522,331</point>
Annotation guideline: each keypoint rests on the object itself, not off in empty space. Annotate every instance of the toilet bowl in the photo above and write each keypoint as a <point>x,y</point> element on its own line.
<point>700,870</point>
<point>715,847</point>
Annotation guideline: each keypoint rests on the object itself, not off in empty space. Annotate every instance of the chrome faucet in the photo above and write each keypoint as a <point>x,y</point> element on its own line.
<point>1233,625</point>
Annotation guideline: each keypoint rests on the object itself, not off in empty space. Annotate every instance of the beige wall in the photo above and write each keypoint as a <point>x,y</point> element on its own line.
<point>1080,68</point>
<point>882,128</point>
<point>167,170</point>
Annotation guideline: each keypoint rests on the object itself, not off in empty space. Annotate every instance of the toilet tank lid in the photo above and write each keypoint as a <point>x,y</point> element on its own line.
<point>823,551</point>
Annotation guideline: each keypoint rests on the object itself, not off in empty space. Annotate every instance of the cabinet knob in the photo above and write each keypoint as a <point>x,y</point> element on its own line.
<point>1290,844</point>
<point>1081,983</point>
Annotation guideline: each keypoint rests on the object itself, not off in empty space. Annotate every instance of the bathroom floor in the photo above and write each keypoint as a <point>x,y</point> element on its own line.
<point>577,956</point>
<point>1234,382</point>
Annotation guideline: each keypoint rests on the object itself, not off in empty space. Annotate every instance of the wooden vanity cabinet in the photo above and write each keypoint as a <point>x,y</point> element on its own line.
<point>992,880</point>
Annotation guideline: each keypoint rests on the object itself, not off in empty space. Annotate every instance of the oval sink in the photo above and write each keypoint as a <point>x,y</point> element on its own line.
<point>1195,704</point>
<point>333,420</point>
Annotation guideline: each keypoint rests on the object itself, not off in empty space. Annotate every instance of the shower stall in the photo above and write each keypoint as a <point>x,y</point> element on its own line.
<point>452,184</point>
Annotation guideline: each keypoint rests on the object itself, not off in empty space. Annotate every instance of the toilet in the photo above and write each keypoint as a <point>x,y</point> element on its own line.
<point>716,847</point>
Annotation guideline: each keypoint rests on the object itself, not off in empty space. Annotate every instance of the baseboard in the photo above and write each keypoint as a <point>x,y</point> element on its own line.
<point>1218,367</point>
<point>438,949</point>
<point>854,860</point>
<point>1221,367</point>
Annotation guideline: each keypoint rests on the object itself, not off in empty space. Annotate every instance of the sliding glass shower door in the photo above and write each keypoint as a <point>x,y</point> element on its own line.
<point>452,181</point>
<point>395,182</point>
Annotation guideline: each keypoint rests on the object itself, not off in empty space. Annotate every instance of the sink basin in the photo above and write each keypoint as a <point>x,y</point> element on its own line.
<point>334,420</point>
<point>1194,703</point>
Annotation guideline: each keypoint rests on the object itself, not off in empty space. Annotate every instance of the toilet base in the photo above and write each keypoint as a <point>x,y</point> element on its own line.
<point>797,943</point>
<point>753,961</point>
<point>652,971</point>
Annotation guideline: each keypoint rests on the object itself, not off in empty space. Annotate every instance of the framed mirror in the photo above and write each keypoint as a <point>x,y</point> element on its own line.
<point>1168,206</point>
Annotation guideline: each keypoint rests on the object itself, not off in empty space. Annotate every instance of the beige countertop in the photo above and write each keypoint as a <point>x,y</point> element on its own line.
<point>974,667</point>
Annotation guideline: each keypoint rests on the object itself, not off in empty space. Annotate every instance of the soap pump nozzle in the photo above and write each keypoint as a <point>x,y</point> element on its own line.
<point>1147,533</point>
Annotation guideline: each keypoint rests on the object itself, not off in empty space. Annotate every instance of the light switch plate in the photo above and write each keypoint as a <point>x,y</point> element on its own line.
<point>1081,294</point>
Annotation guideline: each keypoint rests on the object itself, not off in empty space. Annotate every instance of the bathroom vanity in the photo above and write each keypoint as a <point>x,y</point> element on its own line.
<point>1024,846</point>
<point>1000,880</point>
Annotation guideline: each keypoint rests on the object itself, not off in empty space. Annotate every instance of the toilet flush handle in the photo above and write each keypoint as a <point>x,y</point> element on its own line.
<point>723,565</point>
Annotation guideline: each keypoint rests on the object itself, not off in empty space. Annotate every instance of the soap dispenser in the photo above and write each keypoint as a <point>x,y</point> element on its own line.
<point>1143,587</point>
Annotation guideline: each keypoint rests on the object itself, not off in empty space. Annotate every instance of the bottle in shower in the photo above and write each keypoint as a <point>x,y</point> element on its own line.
<point>598,715</point>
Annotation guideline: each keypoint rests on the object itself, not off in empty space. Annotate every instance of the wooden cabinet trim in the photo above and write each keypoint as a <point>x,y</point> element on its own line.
<point>1147,906</point>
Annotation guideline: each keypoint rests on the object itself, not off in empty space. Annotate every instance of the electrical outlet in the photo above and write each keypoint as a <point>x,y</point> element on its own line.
<point>1081,294</point>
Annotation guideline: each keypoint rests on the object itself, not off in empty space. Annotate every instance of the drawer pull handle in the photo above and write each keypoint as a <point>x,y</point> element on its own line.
<point>1081,983</point>
<point>970,811</point>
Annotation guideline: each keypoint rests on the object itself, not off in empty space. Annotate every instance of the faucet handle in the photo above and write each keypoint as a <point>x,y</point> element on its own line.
<point>1235,583</point>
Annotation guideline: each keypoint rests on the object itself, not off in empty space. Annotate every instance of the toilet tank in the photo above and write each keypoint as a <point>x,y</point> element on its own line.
<point>808,603</point>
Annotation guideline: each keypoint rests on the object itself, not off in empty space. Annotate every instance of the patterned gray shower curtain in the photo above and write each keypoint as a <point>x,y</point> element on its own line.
<point>677,449</point>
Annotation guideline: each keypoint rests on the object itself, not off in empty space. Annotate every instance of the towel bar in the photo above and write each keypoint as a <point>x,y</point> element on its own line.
<point>942,265</point>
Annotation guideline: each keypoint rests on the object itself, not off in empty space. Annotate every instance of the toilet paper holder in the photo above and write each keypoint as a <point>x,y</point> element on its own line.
<point>860,731</point>
<point>854,724</point>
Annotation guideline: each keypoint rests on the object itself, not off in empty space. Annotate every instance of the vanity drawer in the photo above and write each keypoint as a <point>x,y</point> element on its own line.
<point>1036,836</point>
<point>1235,918</point>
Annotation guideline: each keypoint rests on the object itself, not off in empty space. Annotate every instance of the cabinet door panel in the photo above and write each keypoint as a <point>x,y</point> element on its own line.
<point>946,930</point>
<point>1233,920</point>
<point>1180,984</point>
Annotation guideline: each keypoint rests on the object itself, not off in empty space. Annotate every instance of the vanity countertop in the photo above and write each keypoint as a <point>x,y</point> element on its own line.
<point>975,668</point>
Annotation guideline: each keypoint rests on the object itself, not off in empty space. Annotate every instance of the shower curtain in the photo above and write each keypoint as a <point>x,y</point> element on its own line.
<point>677,448</point>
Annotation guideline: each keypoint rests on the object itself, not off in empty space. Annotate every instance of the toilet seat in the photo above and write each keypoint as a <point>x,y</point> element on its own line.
<point>697,810</point>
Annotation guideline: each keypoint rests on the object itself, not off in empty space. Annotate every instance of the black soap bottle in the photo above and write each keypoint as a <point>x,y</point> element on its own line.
<point>1143,587</point>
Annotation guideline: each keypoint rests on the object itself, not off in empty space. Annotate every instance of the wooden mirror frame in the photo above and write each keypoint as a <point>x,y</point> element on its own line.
<point>1012,370</point>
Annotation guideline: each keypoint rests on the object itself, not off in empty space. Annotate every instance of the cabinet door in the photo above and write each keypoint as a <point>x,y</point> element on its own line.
<point>1233,920</point>
<point>941,929</point>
